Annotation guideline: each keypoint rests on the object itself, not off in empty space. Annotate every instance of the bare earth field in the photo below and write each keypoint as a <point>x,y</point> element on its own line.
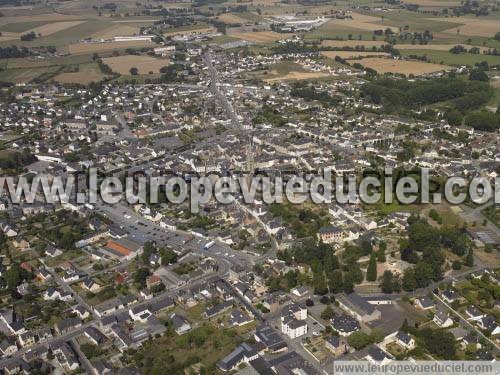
<point>88,73</point>
<point>116,30</point>
<point>293,76</point>
<point>231,18</point>
<point>352,43</point>
<point>260,36</point>
<point>473,26</point>
<point>351,54</point>
<point>145,64</point>
<point>80,48</point>
<point>382,65</point>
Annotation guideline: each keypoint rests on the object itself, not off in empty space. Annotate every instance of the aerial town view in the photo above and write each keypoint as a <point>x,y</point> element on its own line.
<point>251,187</point>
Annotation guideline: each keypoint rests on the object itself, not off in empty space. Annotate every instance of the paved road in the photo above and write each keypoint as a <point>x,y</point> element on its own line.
<point>220,96</point>
<point>466,323</point>
<point>67,288</point>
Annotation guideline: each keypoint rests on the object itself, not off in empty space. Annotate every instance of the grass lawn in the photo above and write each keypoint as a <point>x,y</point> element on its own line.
<point>65,256</point>
<point>448,58</point>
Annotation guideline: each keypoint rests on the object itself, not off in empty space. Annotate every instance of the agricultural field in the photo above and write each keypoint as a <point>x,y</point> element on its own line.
<point>117,29</point>
<point>144,64</point>
<point>448,58</point>
<point>86,74</point>
<point>260,36</point>
<point>382,65</point>
<point>230,18</point>
<point>83,48</point>
<point>351,54</point>
<point>478,26</point>
<point>289,71</point>
<point>367,44</point>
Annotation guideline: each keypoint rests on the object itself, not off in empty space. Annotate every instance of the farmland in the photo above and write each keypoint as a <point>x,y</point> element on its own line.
<point>260,37</point>
<point>382,65</point>
<point>144,64</point>
<point>449,58</point>
<point>351,54</point>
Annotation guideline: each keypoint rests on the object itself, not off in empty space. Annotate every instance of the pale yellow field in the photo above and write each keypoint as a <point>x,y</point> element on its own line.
<point>260,36</point>
<point>351,54</point>
<point>472,26</point>
<point>88,73</point>
<point>116,30</point>
<point>6,36</point>
<point>193,31</point>
<point>437,47</point>
<point>145,64</point>
<point>293,76</point>
<point>382,65</point>
<point>352,43</point>
<point>79,48</point>
<point>231,18</point>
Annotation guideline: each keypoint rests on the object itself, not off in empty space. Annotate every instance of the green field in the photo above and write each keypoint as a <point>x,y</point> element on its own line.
<point>412,20</point>
<point>448,58</point>
<point>25,75</point>
<point>337,31</point>
<point>20,27</point>
<point>65,37</point>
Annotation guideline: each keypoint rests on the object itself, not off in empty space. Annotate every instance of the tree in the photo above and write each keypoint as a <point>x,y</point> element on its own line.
<point>423,274</point>
<point>140,276</point>
<point>387,282</point>
<point>335,281</point>
<point>309,302</point>
<point>469,259</point>
<point>371,271</point>
<point>358,340</point>
<point>438,342</point>
<point>456,265</point>
<point>409,283</point>
<point>134,71</point>
<point>348,284</point>
<point>327,313</point>
<point>319,282</point>
<point>454,117</point>
<point>478,75</point>
<point>356,273</point>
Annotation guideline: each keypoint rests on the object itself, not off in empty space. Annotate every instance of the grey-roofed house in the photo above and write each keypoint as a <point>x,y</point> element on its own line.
<point>359,307</point>
<point>242,354</point>
<point>67,324</point>
<point>377,355</point>
<point>269,339</point>
<point>405,340</point>
<point>424,303</point>
<point>336,345</point>
<point>180,324</point>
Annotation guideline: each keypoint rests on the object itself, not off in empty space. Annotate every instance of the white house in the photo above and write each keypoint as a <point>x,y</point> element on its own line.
<point>442,319</point>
